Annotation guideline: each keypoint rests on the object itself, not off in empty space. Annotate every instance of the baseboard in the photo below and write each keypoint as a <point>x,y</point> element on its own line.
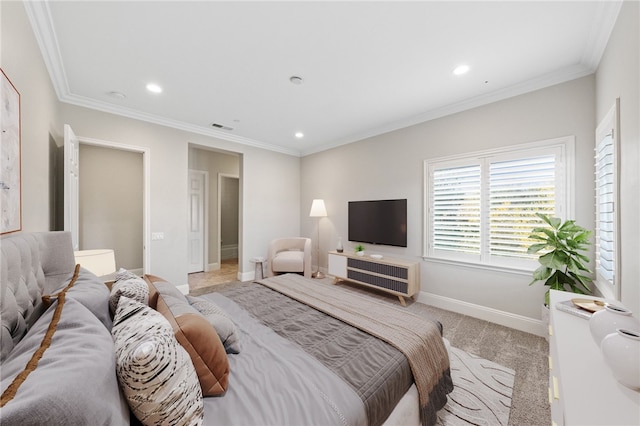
<point>506,319</point>
<point>246,276</point>
<point>184,288</point>
<point>212,267</point>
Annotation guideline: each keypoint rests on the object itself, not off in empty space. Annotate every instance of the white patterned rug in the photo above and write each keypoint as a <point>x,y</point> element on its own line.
<point>482,391</point>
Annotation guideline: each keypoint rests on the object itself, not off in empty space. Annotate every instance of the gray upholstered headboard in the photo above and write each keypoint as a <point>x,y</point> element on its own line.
<point>33,264</point>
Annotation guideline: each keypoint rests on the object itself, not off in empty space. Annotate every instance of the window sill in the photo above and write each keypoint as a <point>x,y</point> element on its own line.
<point>482,266</point>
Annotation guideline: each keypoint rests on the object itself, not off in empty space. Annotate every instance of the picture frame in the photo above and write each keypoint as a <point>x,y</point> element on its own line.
<point>10,157</point>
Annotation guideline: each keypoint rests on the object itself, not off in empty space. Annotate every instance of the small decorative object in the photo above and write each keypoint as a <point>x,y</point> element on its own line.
<point>621,352</point>
<point>607,320</point>
<point>339,247</point>
<point>562,266</point>
<point>359,249</point>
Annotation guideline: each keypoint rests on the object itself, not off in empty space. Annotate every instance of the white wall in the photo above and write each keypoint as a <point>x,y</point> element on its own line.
<point>112,204</point>
<point>618,76</point>
<point>391,166</point>
<point>21,60</point>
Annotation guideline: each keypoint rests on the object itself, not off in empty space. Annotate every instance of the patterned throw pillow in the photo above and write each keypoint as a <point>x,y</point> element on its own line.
<point>132,287</point>
<point>155,372</point>
<point>124,274</point>
<point>220,320</point>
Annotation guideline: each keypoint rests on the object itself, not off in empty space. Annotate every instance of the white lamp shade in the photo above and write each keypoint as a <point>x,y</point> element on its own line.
<point>318,209</point>
<point>101,262</point>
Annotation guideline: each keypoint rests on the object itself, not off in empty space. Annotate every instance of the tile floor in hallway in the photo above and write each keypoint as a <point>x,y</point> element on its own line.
<point>228,272</point>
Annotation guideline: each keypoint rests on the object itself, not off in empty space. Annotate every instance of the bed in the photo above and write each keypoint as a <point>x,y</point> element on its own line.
<point>289,359</point>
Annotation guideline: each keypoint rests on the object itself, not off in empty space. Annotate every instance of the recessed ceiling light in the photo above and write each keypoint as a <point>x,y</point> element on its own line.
<point>295,79</point>
<point>461,69</point>
<point>299,135</point>
<point>152,87</point>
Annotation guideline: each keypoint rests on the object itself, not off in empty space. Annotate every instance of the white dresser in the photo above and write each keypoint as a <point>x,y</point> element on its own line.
<point>582,390</point>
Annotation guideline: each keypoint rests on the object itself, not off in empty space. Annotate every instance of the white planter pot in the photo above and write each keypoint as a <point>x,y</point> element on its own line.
<point>621,352</point>
<point>609,319</point>
<point>360,253</point>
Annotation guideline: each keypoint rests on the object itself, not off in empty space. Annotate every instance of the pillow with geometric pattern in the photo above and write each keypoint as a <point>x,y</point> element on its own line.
<point>155,372</point>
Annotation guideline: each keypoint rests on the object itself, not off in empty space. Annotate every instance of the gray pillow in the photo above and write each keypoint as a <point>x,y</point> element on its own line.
<point>74,381</point>
<point>220,320</point>
<point>93,294</point>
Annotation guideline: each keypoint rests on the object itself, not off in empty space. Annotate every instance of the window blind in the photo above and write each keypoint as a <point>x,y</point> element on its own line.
<point>605,209</point>
<point>481,207</point>
<point>517,190</point>
<point>456,209</point>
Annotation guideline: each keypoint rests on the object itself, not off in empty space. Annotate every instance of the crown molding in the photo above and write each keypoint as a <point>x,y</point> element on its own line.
<point>603,23</point>
<point>174,124</point>
<point>541,82</point>
<point>39,15</point>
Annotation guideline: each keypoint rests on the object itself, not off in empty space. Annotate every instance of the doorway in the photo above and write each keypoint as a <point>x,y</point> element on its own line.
<point>106,213</point>
<point>221,218</point>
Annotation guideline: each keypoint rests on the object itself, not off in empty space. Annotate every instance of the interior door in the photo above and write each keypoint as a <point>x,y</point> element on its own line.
<point>197,222</point>
<point>71,184</point>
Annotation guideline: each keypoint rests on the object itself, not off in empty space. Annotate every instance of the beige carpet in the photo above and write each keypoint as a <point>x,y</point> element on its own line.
<point>507,348</point>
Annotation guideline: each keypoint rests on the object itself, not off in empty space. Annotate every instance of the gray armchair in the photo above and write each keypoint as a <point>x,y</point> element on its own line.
<point>289,255</point>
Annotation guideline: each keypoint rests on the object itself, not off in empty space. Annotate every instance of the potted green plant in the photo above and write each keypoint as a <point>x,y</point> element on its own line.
<point>359,249</point>
<point>563,266</point>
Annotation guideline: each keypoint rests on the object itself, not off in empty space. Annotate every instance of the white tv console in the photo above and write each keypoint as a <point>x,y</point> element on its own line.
<point>395,276</point>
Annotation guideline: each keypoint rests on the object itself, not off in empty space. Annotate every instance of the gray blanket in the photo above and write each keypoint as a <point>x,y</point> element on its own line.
<point>274,382</point>
<point>375,370</point>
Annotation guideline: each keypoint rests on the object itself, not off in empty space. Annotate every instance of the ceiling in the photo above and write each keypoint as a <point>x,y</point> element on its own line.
<point>366,67</point>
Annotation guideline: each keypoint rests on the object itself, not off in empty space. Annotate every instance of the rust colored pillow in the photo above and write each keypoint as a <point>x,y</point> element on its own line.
<point>195,334</point>
<point>153,293</point>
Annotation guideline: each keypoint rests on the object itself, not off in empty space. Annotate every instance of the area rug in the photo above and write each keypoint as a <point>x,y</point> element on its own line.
<point>482,391</point>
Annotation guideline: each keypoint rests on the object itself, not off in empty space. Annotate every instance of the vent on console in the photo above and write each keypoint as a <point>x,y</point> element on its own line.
<point>221,126</point>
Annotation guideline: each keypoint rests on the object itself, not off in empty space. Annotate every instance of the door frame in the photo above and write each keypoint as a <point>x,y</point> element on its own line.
<point>205,218</point>
<point>146,171</point>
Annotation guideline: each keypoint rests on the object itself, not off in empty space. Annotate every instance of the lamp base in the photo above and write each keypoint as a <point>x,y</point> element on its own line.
<point>318,275</point>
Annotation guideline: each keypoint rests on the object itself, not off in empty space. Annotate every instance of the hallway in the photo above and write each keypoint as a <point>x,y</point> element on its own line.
<point>228,272</point>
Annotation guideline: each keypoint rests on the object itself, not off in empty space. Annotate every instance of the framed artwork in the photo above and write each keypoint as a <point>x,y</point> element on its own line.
<point>10,173</point>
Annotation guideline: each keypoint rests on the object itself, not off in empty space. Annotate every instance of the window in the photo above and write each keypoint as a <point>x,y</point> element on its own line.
<point>606,227</point>
<point>480,208</point>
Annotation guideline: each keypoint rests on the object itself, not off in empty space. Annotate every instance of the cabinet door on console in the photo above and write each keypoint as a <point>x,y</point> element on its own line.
<point>337,265</point>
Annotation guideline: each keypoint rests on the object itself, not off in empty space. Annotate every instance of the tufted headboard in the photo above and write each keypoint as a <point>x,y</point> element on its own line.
<point>33,264</point>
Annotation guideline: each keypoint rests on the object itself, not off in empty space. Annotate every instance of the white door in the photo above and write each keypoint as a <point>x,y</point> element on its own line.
<point>71,184</point>
<point>197,222</point>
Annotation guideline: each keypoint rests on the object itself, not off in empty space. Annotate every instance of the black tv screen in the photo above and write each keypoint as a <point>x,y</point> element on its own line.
<point>378,222</point>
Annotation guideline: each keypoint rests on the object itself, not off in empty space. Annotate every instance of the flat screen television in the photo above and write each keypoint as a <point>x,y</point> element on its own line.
<point>381,222</point>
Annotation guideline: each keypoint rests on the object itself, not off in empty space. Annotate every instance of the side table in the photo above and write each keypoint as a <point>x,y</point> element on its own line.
<point>259,272</point>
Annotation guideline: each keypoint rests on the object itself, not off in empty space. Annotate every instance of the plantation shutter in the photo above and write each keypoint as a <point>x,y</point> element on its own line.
<point>456,209</point>
<point>605,213</point>
<point>517,190</point>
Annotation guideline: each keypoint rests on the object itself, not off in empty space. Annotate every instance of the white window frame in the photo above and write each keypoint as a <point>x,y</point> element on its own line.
<point>563,148</point>
<point>610,288</point>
